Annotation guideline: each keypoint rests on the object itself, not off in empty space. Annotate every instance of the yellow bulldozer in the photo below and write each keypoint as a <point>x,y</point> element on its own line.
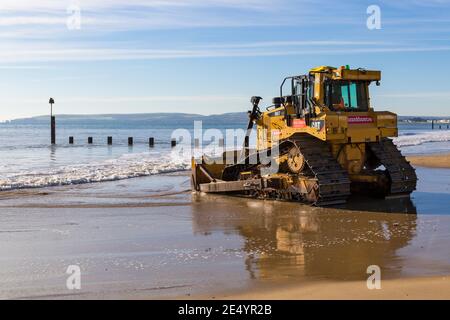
<point>318,143</point>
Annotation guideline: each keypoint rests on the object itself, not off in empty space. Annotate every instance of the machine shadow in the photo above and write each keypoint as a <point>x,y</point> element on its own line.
<point>393,205</point>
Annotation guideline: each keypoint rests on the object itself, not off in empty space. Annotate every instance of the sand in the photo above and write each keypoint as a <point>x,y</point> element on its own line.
<point>399,289</point>
<point>431,161</point>
<point>151,238</point>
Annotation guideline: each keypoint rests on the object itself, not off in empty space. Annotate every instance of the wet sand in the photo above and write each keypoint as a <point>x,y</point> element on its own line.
<point>149,238</point>
<point>431,161</point>
<point>434,288</point>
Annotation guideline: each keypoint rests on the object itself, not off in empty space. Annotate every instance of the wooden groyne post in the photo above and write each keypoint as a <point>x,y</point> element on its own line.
<point>52,122</point>
<point>151,141</point>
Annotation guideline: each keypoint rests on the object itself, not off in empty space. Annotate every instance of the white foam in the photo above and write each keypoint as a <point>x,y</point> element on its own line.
<point>421,138</point>
<point>149,163</point>
<point>124,167</point>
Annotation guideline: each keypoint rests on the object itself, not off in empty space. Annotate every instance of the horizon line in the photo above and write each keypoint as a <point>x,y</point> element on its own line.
<point>166,113</point>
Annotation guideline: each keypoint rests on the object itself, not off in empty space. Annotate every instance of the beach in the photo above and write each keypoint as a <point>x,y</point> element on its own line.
<point>399,289</point>
<point>151,238</point>
<point>431,161</point>
<point>126,217</point>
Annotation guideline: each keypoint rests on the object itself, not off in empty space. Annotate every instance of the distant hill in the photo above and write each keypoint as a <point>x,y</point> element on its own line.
<point>138,120</point>
<point>160,120</point>
<point>421,118</point>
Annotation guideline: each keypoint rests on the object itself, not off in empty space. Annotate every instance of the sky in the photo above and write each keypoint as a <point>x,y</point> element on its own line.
<point>210,57</point>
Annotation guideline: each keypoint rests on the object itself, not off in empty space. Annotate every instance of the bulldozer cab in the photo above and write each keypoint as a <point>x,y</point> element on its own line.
<point>345,95</point>
<point>322,103</point>
<point>327,89</point>
<point>343,89</point>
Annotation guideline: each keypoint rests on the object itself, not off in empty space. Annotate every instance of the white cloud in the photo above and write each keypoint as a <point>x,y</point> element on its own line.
<point>121,15</point>
<point>54,5</point>
<point>122,99</point>
<point>294,43</point>
<point>51,53</point>
<point>417,3</point>
<point>26,20</point>
<point>417,95</point>
<point>24,67</point>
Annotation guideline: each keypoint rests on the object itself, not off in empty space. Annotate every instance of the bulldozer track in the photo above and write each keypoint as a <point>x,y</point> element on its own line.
<point>402,175</point>
<point>333,183</point>
<point>332,180</point>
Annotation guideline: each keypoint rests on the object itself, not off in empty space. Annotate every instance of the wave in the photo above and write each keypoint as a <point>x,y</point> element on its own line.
<point>124,167</point>
<point>421,138</point>
<point>145,164</point>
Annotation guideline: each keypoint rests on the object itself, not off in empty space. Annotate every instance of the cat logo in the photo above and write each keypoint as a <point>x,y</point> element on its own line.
<point>318,124</point>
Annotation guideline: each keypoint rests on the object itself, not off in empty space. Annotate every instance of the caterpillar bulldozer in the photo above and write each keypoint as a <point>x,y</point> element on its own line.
<point>317,143</point>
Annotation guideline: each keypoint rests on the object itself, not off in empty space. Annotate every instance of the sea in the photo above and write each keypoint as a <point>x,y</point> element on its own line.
<point>28,160</point>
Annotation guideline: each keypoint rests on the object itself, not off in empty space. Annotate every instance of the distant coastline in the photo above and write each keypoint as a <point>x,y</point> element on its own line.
<point>412,119</point>
<point>137,120</point>
<point>170,119</point>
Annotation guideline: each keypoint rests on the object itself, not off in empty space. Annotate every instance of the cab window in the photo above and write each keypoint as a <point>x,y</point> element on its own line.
<point>346,96</point>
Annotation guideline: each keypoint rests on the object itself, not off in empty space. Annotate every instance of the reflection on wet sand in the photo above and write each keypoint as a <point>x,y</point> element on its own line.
<point>393,205</point>
<point>291,241</point>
